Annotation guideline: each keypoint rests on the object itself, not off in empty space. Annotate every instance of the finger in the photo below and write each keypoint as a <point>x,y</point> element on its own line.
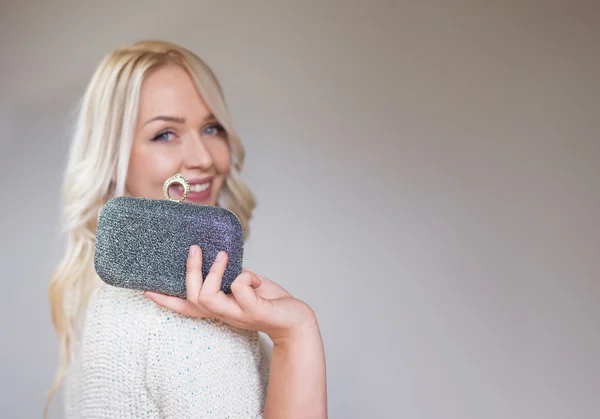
<point>212,284</point>
<point>261,279</point>
<point>193,275</point>
<point>256,282</point>
<point>179,305</point>
<point>254,273</point>
<point>243,289</point>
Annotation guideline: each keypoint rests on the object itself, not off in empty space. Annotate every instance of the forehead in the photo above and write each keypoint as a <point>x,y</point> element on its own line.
<point>169,90</point>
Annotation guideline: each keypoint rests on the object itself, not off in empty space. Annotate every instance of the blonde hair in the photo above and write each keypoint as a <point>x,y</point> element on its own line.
<point>100,148</point>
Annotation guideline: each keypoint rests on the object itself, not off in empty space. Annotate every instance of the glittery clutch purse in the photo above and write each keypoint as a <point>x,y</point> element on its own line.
<point>143,243</point>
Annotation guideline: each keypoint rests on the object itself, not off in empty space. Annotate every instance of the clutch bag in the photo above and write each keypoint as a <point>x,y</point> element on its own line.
<point>143,243</point>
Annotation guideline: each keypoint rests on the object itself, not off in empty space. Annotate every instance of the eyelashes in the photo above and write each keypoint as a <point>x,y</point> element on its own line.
<point>163,136</point>
<point>218,129</point>
<point>212,130</point>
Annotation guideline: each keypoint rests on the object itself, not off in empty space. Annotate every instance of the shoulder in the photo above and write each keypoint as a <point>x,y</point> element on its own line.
<point>115,326</point>
<point>117,301</point>
<point>127,313</point>
<point>109,356</point>
<point>175,362</point>
<point>119,312</point>
<point>113,308</point>
<point>124,317</point>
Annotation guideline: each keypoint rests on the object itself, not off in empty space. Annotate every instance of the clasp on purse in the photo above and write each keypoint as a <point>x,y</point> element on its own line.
<point>178,178</point>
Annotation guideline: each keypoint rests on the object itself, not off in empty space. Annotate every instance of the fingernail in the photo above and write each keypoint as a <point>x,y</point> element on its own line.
<point>193,250</point>
<point>220,256</point>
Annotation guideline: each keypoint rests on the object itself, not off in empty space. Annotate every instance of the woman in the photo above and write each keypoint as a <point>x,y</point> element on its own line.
<point>150,111</point>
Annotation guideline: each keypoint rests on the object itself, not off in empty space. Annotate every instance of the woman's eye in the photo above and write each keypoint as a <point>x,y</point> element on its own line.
<point>164,136</point>
<point>213,130</point>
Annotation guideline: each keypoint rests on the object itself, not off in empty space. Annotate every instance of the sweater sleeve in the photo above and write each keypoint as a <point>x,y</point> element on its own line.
<point>201,368</point>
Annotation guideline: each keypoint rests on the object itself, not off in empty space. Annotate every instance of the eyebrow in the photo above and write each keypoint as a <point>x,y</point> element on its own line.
<point>176,119</point>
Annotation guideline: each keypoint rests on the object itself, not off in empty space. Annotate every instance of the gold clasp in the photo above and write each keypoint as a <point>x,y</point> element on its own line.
<point>178,178</point>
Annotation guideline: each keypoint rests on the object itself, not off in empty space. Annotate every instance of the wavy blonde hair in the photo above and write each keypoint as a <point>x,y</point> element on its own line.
<point>101,148</point>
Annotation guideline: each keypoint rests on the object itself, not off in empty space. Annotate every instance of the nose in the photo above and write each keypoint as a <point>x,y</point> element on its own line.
<point>195,153</point>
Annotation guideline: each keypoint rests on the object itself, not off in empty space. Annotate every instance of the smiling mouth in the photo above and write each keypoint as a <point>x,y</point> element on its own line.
<point>198,191</point>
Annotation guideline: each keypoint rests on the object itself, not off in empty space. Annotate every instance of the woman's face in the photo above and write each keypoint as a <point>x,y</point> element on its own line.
<point>176,133</point>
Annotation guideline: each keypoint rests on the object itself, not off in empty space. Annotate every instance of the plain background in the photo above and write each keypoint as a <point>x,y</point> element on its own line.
<point>427,174</point>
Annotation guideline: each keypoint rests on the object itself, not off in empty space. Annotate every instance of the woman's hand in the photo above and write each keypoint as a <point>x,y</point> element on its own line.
<point>256,303</point>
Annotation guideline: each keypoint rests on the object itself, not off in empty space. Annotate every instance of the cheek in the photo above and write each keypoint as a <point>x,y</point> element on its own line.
<point>147,169</point>
<point>221,156</point>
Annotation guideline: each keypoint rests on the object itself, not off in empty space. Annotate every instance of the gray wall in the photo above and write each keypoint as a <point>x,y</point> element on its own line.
<point>427,178</point>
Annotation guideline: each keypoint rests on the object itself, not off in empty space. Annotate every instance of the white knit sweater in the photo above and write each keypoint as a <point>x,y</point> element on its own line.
<point>135,359</point>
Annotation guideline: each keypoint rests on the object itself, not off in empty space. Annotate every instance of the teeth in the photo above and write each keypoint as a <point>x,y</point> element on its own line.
<point>199,187</point>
